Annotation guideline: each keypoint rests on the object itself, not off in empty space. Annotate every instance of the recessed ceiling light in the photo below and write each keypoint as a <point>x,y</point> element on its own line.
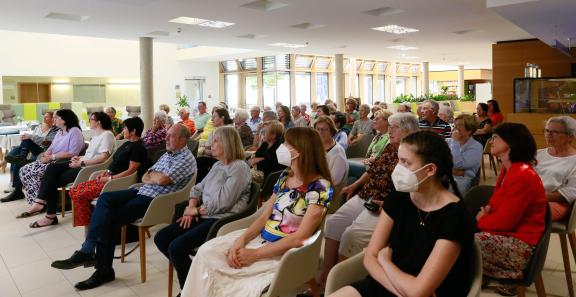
<point>187,21</point>
<point>216,24</point>
<point>407,57</point>
<point>67,17</point>
<point>264,5</point>
<point>383,11</point>
<point>288,45</point>
<point>307,26</point>
<point>402,47</point>
<point>251,36</point>
<point>395,29</point>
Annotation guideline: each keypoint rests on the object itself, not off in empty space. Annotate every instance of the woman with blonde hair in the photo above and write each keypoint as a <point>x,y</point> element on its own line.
<point>243,263</point>
<point>225,191</point>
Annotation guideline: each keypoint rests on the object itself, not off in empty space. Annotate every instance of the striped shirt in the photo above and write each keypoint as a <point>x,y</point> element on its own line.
<point>439,126</point>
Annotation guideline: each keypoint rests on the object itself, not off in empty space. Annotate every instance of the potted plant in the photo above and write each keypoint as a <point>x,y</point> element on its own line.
<point>181,102</point>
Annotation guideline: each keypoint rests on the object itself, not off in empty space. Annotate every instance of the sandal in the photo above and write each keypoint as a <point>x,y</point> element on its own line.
<point>27,214</point>
<point>54,222</point>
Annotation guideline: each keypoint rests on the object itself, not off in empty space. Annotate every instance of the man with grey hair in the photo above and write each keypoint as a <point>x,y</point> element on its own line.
<point>259,135</point>
<point>446,113</point>
<point>298,119</point>
<point>362,126</point>
<point>255,118</point>
<point>184,113</point>
<point>431,121</point>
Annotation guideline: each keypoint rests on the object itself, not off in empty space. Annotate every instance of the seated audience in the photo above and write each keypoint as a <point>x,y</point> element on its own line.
<point>240,118</point>
<point>202,117</point>
<point>60,174</point>
<point>184,113</point>
<point>423,243</point>
<point>68,142</point>
<point>350,228</point>
<point>494,113</point>
<point>225,191</point>
<point>299,120</point>
<point>352,114</point>
<point>377,145</point>
<point>35,144</point>
<point>220,118</point>
<point>374,110</point>
<point>313,110</point>
<point>335,154</point>
<point>341,135</point>
<point>157,134</point>
<point>484,131</point>
<point>116,122</point>
<point>404,107</point>
<point>446,113</point>
<point>165,108</point>
<point>285,117</point>
<point>362,126</point>
<point>512,223</point>
<point>264,159</point>
<point>115,209</point>
<point>243,262</point>
<point>431,121</point>
<point>127,159</point>
<point>255,118</point>
<point>557,165</point>
<point>304,114</point>
<point>466,152</point>
<point>259,136</point>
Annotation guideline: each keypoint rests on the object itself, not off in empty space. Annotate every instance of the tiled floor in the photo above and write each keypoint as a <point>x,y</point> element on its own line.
<point>26,254</point>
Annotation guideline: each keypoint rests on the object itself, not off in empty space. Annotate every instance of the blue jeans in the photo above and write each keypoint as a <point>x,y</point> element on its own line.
<point>177,244</point>
<point>113,210</point>
<point>355,171</point>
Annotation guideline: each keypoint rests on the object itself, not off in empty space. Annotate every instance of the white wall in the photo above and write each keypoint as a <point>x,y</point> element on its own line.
<point>210,71</point>
<point>34,54</point>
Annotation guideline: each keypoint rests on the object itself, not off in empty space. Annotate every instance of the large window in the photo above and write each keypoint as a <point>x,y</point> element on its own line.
<point>231,89</point>
<point>251,91</point>
<point>368,93</point>
<point>322,86</point>
<point>381,88</point>
<point>400,86</point>
<point>414,86</point>
<point>276,88</point>
<point>302,87</point>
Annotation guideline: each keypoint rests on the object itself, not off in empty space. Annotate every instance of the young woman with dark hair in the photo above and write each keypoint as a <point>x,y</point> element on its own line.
<point>494,112</point>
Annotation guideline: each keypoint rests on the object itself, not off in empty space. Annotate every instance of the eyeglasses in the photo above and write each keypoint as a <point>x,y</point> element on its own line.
<point>322,129</point>
<point>553,132</point>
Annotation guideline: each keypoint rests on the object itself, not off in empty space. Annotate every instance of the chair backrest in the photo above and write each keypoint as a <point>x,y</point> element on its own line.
<point>250,209</point>
<point>268,186</point>
<point>336,199</point>
<point>65,105</point>
<point>193,146</point>
<point>133,111</point>
<point>487,147</point>
<point>161,208</point>
<point>346,272</point>
<point>121,183</point>
<point>93,109</point>
<point>297,266</point>
<point>477,197</point>
<point>86,172</point>
<point>536,263</point>
<point>476,286</point>
<point>359,149</point>
<point>8,116</point>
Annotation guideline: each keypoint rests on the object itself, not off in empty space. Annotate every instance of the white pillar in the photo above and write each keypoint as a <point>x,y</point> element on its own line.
<point>146,81</point>
<point>425,81</point>
<point>352,72</point>
<point>460,81</point>
<point>339,80</point>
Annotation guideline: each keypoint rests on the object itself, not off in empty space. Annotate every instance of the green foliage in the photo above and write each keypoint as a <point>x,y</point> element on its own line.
<point>468,97</point>
<point>440,97</point>
<point>444,89</point>
<point>182,101</point>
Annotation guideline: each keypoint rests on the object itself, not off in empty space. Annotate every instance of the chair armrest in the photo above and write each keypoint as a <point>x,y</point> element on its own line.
<point>346,272</point>
<point>95,174</point>
<point>239,224</point>
<point>86,172</point>
<point>121,183</point>
<point>161,209</point>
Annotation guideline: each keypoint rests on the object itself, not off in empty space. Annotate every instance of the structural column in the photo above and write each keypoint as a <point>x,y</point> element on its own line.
<point>339,80</point>
<point>146,80</point>
<point>425,82</point>
<point>460,81</point>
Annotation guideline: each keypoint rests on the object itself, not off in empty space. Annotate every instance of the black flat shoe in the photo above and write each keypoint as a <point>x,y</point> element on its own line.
<point>76,260</point>
<point>28,214</point>
<point>15,195</point>
<point>52,223</point>
<point>96,280</point>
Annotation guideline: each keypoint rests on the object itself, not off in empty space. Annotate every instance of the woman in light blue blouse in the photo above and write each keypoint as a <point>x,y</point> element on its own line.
<point>224,191</point>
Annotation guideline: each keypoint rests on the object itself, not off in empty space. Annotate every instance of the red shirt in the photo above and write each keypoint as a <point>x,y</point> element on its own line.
<point>496,118</point>
<point>518,205</point>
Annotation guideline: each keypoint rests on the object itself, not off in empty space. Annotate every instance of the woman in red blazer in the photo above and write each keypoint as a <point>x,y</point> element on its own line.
<point>514,219</point>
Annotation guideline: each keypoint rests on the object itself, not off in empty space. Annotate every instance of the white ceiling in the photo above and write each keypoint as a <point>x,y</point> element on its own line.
<point>346,29</point>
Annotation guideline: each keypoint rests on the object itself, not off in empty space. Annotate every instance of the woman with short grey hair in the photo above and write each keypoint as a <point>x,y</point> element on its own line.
<point>240,118</point>
<point>157,134</point>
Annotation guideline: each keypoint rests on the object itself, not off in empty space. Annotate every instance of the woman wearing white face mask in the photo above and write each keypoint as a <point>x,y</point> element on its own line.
<point>423,242</point>
<point>243,263</point>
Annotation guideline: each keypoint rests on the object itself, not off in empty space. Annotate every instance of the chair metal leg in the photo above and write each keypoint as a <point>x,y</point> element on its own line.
<point>63,196</point>
<point>142,239</point>
<point>521,291</point>
<point>170,278</point>
<point>539,284</point>
<point>494,165</point>
<point>482,166</point>
<point>572,240</point>
<point>566,260</point>
<point>122,243</point>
